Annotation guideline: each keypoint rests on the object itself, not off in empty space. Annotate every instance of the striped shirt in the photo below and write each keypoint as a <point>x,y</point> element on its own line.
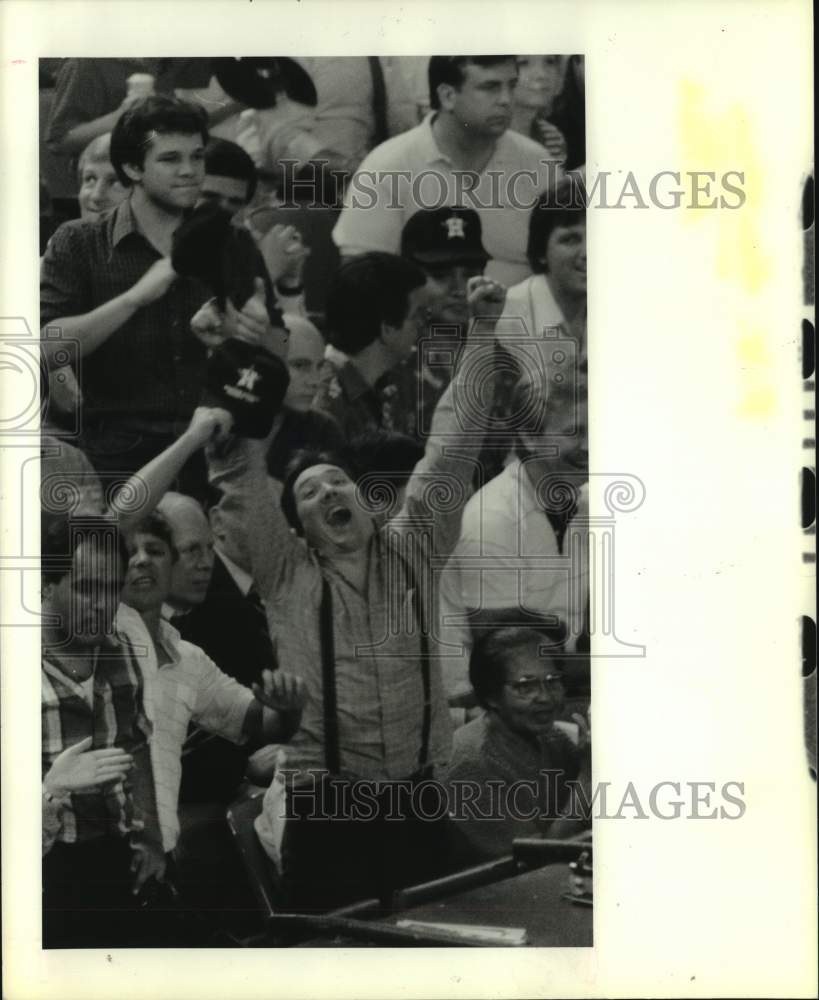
<point>182,685</point>
<point>117,719</point>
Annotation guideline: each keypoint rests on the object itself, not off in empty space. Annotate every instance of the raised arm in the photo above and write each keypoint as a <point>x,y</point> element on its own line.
<point>458,429</point>
<point>143,491</point>
<point>252,513</point>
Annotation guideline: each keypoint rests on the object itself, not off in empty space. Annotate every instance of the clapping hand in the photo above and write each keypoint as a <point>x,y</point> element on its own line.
<point>281,691</point>
<point>80,769</point>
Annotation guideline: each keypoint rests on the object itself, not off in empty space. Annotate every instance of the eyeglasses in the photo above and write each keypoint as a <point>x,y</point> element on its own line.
<point>529,688</point>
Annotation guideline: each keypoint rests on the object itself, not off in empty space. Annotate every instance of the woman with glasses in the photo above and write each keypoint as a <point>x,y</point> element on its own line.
<point>511,767</point>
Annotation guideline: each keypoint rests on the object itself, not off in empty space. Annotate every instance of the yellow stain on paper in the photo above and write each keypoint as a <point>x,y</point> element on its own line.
<point>719,141</point>
<point>758,396</point>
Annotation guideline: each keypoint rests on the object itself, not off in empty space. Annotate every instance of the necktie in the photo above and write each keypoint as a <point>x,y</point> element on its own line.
<point>255,601</point>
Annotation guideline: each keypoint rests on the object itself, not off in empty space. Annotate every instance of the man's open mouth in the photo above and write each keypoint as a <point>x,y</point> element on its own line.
<point>338,517</point>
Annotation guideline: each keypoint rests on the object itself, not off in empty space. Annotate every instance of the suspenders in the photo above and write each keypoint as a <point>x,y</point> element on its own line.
<point>332,756</point>
<point>328,677</point>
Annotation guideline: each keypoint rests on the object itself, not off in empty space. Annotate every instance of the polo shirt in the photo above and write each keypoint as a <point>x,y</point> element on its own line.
<point>376,207</point>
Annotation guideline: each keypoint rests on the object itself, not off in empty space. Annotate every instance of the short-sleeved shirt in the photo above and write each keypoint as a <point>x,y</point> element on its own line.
<point>116,718</point>
<point>379,201</point>
<point>152,368</point>
<point>182,685</point>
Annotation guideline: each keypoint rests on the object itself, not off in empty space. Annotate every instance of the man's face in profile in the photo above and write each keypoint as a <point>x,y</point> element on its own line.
<point>193,568</point>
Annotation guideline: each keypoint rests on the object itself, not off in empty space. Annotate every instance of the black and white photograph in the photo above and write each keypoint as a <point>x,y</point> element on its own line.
<point>314,562</point>
<point>409,495</point>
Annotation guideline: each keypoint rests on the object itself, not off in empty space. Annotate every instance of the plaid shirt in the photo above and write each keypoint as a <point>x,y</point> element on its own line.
<point>117,719</point>
<point>152,367</point>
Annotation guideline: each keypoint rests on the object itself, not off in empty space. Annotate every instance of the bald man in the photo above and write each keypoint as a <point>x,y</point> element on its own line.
<point>194,544</point>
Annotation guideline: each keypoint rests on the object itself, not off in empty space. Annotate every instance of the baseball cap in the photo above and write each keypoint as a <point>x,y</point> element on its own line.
<point>247,381</point>
<point>444,236</point>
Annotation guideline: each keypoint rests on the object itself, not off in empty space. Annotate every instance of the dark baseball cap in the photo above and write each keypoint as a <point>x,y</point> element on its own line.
<point>444,236</point>
<point>249,382</point>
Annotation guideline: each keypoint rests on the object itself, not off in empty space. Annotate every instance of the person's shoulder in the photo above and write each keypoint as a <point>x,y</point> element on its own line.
<point>193,660</point>
<point>392,151</point>
<point>71,231</point>
<point>524,147</point>
<point>518,295</point>
<point>76,233</point>
<point>315,424</point>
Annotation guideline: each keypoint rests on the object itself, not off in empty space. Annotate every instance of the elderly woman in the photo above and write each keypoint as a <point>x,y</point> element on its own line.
<point>510,766</point>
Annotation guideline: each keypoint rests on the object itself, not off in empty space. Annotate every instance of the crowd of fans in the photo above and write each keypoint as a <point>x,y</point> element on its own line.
<point>314,479</point>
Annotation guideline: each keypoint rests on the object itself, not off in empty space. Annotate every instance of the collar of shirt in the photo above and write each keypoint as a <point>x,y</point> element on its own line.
<point>55,667</point>
<point>167,649</point>
<point>242,579</point>
<point>169,613</point>
<point>431,153</point>
<point>124,223</point>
